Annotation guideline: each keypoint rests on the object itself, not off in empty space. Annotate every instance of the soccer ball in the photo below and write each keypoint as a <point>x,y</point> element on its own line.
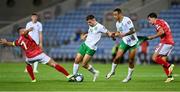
<point>79,77</point>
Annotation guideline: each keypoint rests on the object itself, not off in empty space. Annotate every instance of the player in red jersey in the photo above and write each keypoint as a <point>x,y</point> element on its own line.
<point>33,53</point>
<point>165,46</point>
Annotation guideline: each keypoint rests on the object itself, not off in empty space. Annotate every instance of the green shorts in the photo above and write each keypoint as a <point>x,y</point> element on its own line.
<point>126,47</point>
<point>84,49</point>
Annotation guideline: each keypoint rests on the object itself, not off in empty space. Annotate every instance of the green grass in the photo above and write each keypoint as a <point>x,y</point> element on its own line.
<point>145,78</point>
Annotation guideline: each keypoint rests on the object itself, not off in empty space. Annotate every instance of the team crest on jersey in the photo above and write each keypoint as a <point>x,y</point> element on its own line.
<point>104,28</point>
<point>91,30</point>
<point>129,22</point>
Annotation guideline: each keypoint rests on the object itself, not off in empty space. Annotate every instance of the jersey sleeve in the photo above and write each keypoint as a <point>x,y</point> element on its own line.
<point>16,42</point>
<point>28,26</point>
<point>160,25</point>
<point>103,29</point>
<point>40,27</point>
<point>129,23</point>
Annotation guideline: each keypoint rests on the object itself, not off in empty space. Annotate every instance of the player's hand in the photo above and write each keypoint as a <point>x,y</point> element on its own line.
<point>121,35</point>
<point>31,28</point>
<point>83,36</point>
<point>3,41</point>
<point>113,36</point>
<point>150,37</point>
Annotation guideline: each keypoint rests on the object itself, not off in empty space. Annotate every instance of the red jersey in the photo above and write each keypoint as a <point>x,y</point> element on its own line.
<point>167,38</point>
<point>29,46</point>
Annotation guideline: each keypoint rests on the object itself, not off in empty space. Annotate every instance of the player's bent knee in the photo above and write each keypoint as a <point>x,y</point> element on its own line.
<point>131,59</point>
<point>154,58</point>
<point>131,62</point>
<point>116,59</point>
<point>84,65</point>
<point>77,60</point>
<point>52,63</point>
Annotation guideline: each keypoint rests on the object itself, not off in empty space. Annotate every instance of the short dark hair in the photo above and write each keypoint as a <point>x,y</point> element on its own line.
<point>90,17</point>
<point>34,14</point>
<point>152,15</point>
<point>19,28</point>
<point>117,10</point>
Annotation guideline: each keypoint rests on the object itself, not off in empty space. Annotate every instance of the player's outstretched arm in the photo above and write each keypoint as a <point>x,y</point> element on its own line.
<point>111,34</point>
<point>5,42</point>
<point>117,34</point>
<point>158,34</point>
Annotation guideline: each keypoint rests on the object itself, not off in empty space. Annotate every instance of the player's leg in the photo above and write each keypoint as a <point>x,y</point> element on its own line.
<point>89,67</point>
<point>78,59</point>
<point>113,56</point>
<point>157,59</point>
<point>165,68</point>
<point>45,59</point>
<point>132,54</point>
<point>121,50</point>
<point>161,51</point>
<point>30,72</point>
<point>160,57</point>
<point>115,62</point>
<point>58,67</point>
<point>167,71</point>
<point>35,66</point>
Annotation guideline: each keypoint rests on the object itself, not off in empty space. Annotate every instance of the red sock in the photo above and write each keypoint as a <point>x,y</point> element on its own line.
<point>162,62</point>
<point>166,70</point>
<point>61,69</point>
<point>30,71</point>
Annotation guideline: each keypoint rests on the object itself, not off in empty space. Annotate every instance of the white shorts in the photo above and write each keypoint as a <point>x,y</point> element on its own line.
<point>164,49</point>
<point>42,58</point>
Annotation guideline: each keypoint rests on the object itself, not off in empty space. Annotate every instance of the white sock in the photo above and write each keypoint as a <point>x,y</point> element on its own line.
<point>91,69</point>
<point>75,68</point>
<point>35,66</point>
<point>113,67</point>
<point>130,71</point>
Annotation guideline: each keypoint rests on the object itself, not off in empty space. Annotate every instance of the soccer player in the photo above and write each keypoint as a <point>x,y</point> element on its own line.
<point>165,46</point>
<point>36,34</point>
<point>88,48</point>
<point>126,31</point>
<point>33,53</point>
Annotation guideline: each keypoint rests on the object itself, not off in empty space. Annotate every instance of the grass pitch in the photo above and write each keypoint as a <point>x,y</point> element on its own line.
<point>145,78</point>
